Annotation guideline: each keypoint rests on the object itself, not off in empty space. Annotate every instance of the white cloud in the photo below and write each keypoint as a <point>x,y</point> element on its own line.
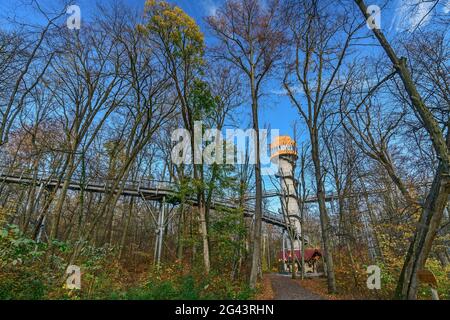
<point>210,7</point>
<point>446,8</point>
<point>412,13</point>
<point>283,92</point>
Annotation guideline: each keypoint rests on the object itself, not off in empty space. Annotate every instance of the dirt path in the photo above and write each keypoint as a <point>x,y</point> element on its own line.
<point>287,289</point>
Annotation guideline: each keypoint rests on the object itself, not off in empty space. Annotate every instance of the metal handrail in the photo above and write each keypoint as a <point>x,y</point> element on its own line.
<point>139,186</point>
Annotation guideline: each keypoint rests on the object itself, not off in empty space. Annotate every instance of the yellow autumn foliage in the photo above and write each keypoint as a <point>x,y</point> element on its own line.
<point>178,33</point>
<point>3,216</point>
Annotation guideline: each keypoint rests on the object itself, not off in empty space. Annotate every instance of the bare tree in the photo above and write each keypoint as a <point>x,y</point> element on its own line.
<point>250,39</point>
<point>438,196</point>
<point>319,43</point>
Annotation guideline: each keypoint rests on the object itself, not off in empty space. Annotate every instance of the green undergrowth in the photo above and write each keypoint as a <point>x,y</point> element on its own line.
<point>35,271</point>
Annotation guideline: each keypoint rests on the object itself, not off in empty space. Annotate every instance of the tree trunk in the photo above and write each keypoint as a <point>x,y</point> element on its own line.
<point>256,254</point>
<point>438,196</point>
<point>180,238</point>
<point>324,219</point>
<point>423,239</point>
<point>125,230</point>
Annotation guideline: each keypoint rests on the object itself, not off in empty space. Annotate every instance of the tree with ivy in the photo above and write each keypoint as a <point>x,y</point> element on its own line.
<point>179,44</point>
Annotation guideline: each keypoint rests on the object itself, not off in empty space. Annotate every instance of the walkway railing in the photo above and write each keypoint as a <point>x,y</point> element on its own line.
<point>144,188</point>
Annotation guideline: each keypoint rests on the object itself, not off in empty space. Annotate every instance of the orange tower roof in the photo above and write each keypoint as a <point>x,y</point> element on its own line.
<point>283,145</point>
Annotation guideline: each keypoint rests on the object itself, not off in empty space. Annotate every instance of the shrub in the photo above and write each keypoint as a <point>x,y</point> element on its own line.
<point>172,283</point>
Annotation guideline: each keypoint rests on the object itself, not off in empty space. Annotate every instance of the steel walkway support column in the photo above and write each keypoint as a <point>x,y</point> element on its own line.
<point>160,233</point>
<point>284,250</point>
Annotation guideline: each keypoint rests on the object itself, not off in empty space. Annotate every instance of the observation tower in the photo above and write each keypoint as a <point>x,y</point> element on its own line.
<point>284,154</point>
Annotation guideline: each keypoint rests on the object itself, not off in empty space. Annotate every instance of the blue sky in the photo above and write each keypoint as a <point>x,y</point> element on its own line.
<point>276,110</point>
